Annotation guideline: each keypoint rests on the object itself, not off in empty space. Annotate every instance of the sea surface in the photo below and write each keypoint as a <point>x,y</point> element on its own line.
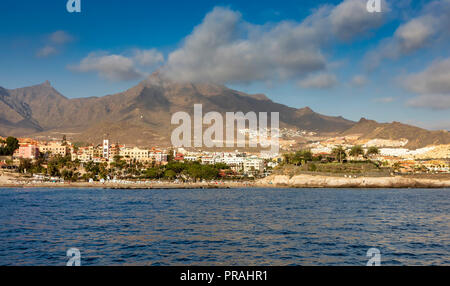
<point>225,227</point>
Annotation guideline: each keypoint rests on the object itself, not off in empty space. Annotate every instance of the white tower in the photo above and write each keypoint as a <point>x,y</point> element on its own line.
<point>106,149</point>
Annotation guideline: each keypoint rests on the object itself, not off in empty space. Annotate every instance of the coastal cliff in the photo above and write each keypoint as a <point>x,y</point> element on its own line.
<point>309,181</point>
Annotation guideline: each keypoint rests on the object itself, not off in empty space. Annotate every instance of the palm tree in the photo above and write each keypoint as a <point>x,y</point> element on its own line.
<point>339,153</point>
<point>372,151</point>
<point>356,151</point>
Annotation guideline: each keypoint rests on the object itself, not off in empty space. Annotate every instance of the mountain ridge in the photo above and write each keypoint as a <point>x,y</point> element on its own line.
<point>417,137</point>
<point>142,113</point>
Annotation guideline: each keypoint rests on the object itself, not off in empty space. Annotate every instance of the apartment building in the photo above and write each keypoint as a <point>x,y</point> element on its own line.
<point>134,153</point>
<point>54,148</point>
<point>253,165</point>
<point>143,155</point>
<point>158,156</point>
<point>27,151</point>
<point>84,154</point>
<point>114,150</point>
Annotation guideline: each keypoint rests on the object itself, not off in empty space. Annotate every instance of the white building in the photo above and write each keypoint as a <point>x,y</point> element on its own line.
<point>157,156</point>
<point>106,149</point>
<point>253,165</point>
<point>191,158</point>
<point>208,160</point>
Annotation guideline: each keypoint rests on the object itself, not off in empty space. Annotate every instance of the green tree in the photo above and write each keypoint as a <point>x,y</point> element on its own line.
<point>312,167</point>
<point>298,158</point>
<point>356,151</point>
<point>170,156</point>
<point>339,154</point>
<point>25,166</point>
<point>53,170</point>
<point>170,174</point>
<point>153,173</point>
<point>103,170</point>
<point>118,163</point>
<point>196,171</point>
<point>177,167</point>
<point>11,145</point>
<point>372,151</point>
<point>221,166</point>
<point>288,158</point>
<point>67,174</point>
<point>301,157</point>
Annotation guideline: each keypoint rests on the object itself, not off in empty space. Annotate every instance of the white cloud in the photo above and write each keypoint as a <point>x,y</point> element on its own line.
<point>435,102</point>
<point>433,80</point>
<point>60,38</point>
<point>415,34</point>
<point>359,80</point>
<point>351,18</point>
<point>46,52</point>
<point>110,67</point>
<point>320,81</point>
<point>149,58</point>
<point>432,85</point>
<point>226,49</point>
<point>54,42</point>
<point>431,24</point>
<point>384,99</point>
<point>120,67</point>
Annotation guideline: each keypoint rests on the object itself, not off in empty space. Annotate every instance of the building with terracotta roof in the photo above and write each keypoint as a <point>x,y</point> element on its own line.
<point>27,151</point>
<point>54,148</point>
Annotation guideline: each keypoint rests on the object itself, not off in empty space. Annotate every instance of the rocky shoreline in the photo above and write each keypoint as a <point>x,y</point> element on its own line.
<point>309,181</point>
<point>274,181</point>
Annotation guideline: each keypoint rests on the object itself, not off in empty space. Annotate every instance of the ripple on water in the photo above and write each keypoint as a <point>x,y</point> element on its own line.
<point>225,227</point>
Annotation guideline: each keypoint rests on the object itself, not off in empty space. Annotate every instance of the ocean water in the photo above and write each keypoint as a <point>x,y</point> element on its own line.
<point>225,227</point>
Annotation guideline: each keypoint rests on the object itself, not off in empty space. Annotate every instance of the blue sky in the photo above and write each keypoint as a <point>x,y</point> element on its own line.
<point>332,56</point>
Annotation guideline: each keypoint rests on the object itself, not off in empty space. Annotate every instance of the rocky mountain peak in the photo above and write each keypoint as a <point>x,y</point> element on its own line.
<point>306,110</point>
<point>143,113</point>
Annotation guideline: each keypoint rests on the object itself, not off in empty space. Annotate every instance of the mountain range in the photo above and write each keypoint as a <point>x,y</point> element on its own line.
<point>141,115</point>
